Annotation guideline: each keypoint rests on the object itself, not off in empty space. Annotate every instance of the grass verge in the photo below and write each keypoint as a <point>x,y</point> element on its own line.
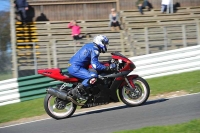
<point>5,76</point>
<point>21,110</point>
<point>188,127</point>
<point>189,82</point>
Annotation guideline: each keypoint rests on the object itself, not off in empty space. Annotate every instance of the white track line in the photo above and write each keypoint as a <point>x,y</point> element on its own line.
<point>90,111</point>
<point>183,95</point>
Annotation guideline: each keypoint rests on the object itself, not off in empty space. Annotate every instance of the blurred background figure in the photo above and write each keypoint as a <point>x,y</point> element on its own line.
<point>42,17</point>
<point>21,6</point>
<point>141,4</point>
<point>76,30</point>
<point>114,20</point>
<point>164,5</point>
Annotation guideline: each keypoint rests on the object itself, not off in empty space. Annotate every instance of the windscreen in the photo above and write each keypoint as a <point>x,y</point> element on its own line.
<point>118,54</point>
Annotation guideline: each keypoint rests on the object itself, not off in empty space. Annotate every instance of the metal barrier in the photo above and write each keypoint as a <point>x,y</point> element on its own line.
<point>25,88</point>
<point>148,66</point>
<point>168,62</point>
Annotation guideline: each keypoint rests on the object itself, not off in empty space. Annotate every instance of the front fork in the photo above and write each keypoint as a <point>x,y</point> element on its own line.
<point>131,85</point>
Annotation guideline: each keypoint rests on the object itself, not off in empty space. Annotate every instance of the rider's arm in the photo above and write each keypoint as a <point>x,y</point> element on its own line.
<point>95,61</point>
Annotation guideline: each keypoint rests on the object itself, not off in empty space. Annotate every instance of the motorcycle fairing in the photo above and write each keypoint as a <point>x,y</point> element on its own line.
<point>56,73</point>
<point>113,75</point>
<point>103,93</point>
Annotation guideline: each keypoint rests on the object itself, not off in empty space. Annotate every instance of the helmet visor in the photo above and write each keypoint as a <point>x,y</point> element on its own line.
<point>105,41</point>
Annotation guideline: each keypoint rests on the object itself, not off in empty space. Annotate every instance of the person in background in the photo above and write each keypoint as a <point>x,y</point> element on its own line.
<point>76,30</point>
<point>141,4</point>
<point>114,20</point>
<point>164,5</point>
<point>22,6</point>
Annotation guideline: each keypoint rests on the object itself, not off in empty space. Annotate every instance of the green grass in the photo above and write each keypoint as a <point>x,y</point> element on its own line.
<point>189,82</point>
<point>21,110</point>
<point>5,76</point>
<point>189,127</point>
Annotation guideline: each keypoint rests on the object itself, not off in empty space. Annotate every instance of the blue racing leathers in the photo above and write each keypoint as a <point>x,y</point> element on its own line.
<point>79,63</point>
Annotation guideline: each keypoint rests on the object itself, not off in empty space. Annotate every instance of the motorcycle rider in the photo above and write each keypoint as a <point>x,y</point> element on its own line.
<point>80,61</point>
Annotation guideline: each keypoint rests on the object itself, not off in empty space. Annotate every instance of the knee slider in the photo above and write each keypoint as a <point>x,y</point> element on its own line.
<point>92,81</point>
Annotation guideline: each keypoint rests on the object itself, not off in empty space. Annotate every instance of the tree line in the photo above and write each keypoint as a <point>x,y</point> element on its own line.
<point>4,30</point>
<point>5,43</point>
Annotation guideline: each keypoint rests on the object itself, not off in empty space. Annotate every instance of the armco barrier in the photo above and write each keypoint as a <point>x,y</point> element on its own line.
<point>147,66</point>
<point>166,63</point>
<point>8,90</point>
<point>25,88</point>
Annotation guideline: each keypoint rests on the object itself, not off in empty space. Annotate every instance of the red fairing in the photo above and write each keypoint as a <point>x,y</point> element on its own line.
<point>55,73</point>
<point>129,64</point>
<point>119,57</point>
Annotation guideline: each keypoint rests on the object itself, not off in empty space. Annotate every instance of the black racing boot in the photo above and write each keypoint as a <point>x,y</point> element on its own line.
<point>79,92</point>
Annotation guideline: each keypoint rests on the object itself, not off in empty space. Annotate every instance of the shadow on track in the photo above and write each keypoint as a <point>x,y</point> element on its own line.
<point>120,107</point>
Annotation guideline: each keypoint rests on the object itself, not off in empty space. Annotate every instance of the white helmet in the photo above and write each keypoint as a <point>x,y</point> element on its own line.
<point>101,41</point>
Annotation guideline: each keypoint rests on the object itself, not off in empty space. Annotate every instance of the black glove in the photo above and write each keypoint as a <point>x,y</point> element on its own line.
<point>111,68</point>
<point>107,69</point>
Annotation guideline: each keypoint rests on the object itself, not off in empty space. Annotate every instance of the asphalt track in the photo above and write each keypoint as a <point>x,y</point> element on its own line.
<point>156,112</point>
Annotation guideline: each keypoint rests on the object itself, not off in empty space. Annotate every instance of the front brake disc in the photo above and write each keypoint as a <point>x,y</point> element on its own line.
<point>136,94</point>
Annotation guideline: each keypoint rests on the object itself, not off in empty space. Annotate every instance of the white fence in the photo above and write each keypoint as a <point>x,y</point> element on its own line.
<point>9,92</point>
<point>166,63</point>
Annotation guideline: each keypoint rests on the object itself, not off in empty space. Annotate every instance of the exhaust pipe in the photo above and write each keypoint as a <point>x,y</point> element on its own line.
<point>57,93</point>
<point>62,95</point>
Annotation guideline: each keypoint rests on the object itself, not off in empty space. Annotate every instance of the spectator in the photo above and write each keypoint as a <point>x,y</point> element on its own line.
<point>114,20</point>
<point>42,17</point>
<point>76,32</point>
<point>141,4</point>
<point>22,6</point>
<point>164,5</point>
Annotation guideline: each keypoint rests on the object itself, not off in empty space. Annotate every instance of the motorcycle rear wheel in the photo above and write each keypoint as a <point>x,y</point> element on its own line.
<point>135,99</point>
<point>57,108</point>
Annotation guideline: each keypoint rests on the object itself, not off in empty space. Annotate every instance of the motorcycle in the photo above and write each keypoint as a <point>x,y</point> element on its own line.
<point>114,86</point>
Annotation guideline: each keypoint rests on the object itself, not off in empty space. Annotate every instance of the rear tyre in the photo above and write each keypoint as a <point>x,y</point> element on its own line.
<point>140,96</point>
<point>57,108</point>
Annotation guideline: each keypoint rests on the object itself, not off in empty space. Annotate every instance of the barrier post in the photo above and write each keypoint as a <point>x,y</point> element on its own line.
<point>171,6</point>
<point>13,40</point>
<point>35,57</point>
<point>146,40</point>
<point>54,50</point>
<point>118,5</point>
<point>198,32</point>
<point>165,38</point>
<point>184,36</point>
<point>130,43</point>
<point>122,42</point>
<point>132,47</point>
<point>49,54</point>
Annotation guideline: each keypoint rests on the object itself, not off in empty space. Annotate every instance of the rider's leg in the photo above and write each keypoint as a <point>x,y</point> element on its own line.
<point>82,73</point>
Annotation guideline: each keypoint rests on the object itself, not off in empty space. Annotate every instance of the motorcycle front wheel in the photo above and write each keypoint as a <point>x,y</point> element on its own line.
<point>57,108</point>
<point>136,97</point>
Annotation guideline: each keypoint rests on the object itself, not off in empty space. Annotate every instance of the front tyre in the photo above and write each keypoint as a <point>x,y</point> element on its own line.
<point>57,108</point>
<point>139,96</point>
